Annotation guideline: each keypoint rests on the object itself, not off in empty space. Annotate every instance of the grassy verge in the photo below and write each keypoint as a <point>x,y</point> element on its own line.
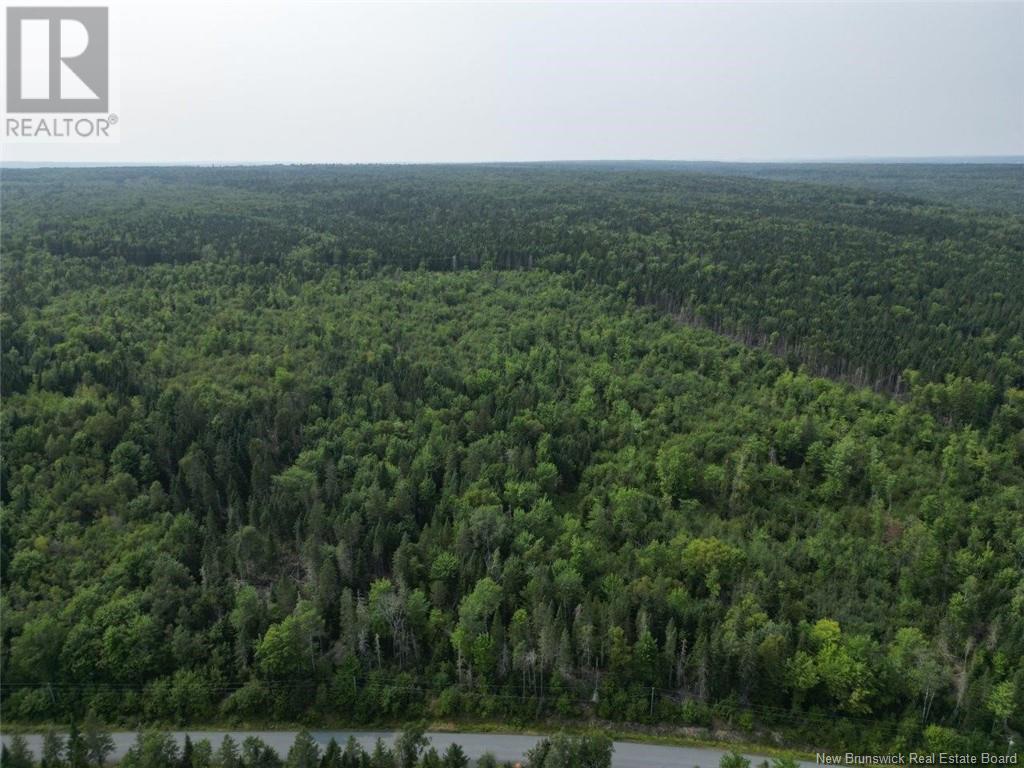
<point>663,735</point>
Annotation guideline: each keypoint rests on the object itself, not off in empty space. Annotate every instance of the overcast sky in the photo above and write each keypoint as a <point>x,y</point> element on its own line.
<point>333,82</point>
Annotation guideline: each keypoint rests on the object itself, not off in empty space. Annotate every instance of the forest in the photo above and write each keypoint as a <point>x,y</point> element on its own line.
<point>513,443</point>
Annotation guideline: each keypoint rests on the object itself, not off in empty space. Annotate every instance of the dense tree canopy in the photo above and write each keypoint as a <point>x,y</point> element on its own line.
<point>854,282</point>
<point>268,456</point>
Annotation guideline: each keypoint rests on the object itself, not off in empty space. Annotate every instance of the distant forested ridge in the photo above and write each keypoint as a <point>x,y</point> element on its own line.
<point>374,444</point>
<point>859,285</point>
<point>995,184</point>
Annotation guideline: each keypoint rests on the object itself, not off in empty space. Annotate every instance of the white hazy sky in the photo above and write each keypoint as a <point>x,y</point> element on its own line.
<point>431,82</point>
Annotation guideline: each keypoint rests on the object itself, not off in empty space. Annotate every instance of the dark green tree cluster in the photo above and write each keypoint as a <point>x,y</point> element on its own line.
<point>562,751</point>
<point>87,747</point>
